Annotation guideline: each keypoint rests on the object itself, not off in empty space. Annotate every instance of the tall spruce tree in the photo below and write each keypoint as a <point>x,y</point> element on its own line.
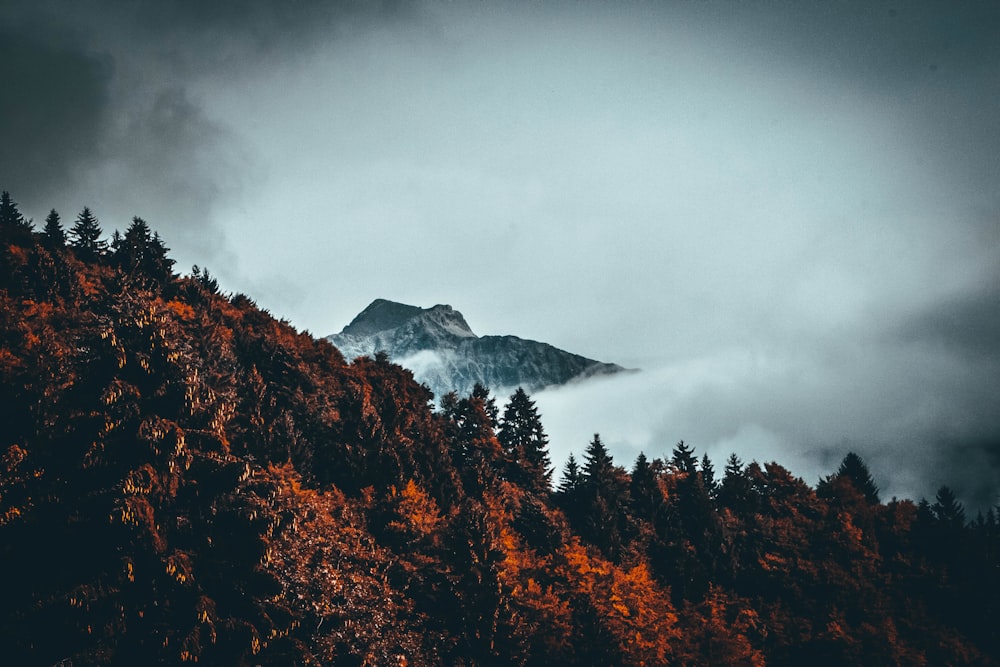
<point>569,490</point>
<point>684,459</point>
<point>160,263</point>
<point>132,252</point>
<point>482,392</point>
<point>734,466</point>
<point>476,450</point>
<point>643,489</point>
<point>947,510</point>
<point>141,252</point>
<point>208,281</point>
<point>55,235</point>
<point>854,469</point>
<point>598,464</point>
<point>10,216</point>
<point>525,444</point>
<point>605,499</point>
<point>86,235</point>
<point>692,531</point>
<point>735,488</point>
<point>708,475</point>
<point>569,484</point>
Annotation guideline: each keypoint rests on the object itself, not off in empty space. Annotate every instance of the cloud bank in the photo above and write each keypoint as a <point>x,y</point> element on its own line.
<point>920,415</point>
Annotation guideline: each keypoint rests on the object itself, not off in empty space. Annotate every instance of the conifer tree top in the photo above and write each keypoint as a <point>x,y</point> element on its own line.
<point>854,469</point>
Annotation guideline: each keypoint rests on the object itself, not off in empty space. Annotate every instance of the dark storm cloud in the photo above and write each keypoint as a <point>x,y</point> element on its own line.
<point>75,121</point>
<point>53,111</point>
<point>173,27</point>
<point>937,62</point>
<point>967,324</point>
<point>882,45</point>
<point>265,21</point>
<point>98,106</point>
<point>169,163</point>
<point>963,332</point>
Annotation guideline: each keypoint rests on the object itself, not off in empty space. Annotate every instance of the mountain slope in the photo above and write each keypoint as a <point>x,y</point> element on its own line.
<point>441,349</point>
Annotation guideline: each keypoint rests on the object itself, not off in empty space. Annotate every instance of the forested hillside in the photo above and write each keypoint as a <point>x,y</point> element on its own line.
<point>185,478</point>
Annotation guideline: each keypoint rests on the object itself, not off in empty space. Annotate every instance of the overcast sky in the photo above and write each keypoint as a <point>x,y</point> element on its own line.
<point>786,213</point>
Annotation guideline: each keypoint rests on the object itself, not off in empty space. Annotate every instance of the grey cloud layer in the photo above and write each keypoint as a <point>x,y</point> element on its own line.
<point>99,109</point>
<point>53,111</point>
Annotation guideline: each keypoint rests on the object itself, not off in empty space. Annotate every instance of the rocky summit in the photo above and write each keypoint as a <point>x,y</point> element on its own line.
<point>443,352</point>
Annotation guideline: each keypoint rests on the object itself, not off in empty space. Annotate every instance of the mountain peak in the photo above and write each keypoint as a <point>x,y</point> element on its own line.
<point>440,347</point>
<point>380,315</point>
<point>383,315</point>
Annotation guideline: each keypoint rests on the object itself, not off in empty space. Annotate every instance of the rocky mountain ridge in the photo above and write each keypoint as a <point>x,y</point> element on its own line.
<point>443,352</point>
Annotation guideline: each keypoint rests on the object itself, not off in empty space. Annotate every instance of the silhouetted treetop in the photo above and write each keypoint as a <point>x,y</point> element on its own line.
<point>683,458</point>
<point>947,509</point>
<point>597,461</point>
<point>571,476</point>
<point>853,468</point>
<point>55,235</point>
<point>206,280</point>
<point>525,444</point>
<point>86,234</point>
<point>10,215</point>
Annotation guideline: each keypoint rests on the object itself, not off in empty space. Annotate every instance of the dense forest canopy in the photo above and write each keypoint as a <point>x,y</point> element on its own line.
<point>185,478</point>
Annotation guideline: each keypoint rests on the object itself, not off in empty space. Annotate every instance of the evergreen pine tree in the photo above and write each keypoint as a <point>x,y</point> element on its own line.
<point>482,393</point>
<point>10,216</point>
<point>947,510</point>
<point>924,516</point>
<point>525,444</point>
<point>569,490</point>
<point>597,462</point>
<point>477,452</point>
<point>605,497</point>
<point>684,459</point>
<point>208,281</point>
<point>159,258</point>
<point>571,477</point>
<point>132,253</point>
<point>854,469</point>
<point>140,251</point>
<point>736,487</point>
<point>86,235</point>
<point>734,466</point>
<point>708,475</point>
<point>55,235</point>
<point>692,531</point>
<point>643,489</point>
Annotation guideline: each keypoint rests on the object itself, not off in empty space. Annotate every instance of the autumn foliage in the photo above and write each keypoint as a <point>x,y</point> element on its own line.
<point>184,478</point>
